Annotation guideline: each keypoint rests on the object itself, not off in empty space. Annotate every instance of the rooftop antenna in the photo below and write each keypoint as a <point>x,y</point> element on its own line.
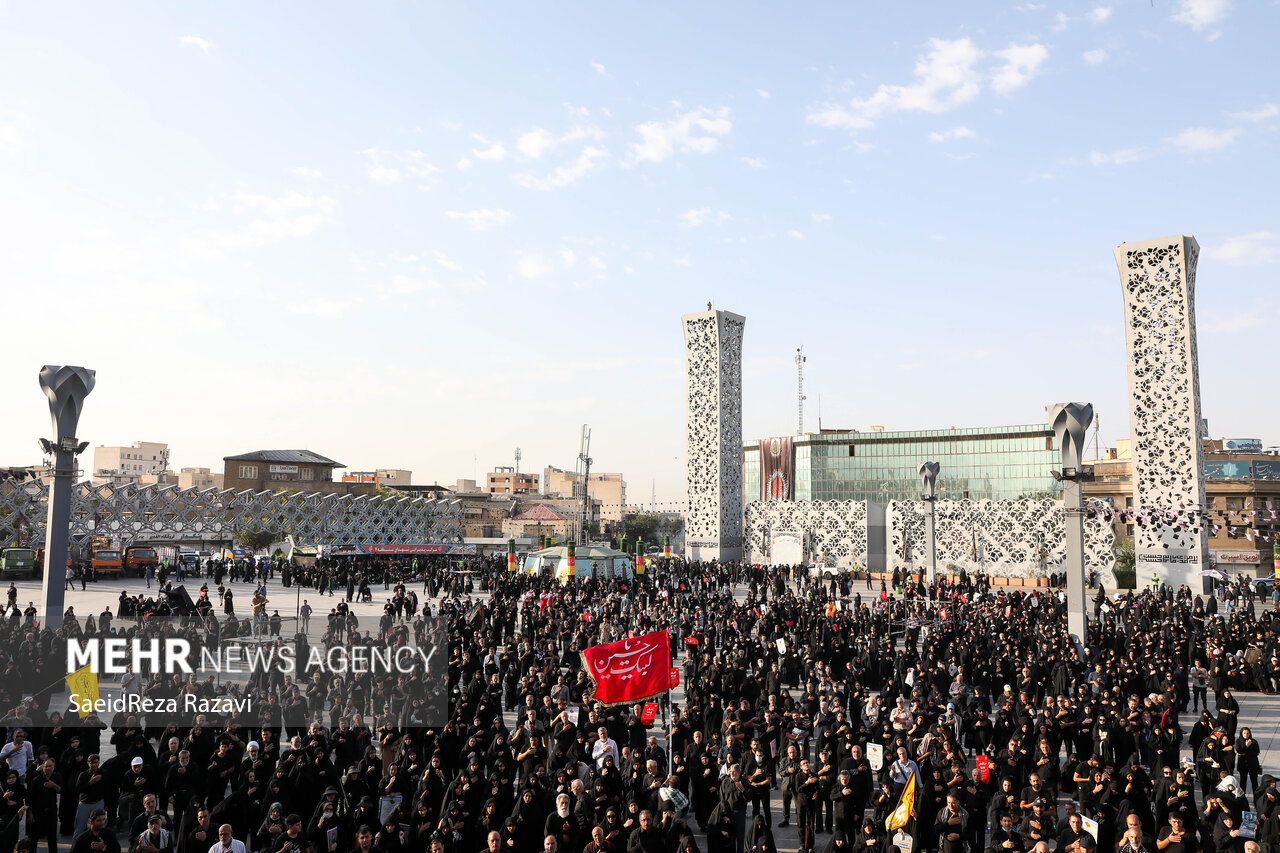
<point>653,497</point>
<point>517,472</point>
<point>584,459</point>
<point>800,388</point>
<point>1096,427</point>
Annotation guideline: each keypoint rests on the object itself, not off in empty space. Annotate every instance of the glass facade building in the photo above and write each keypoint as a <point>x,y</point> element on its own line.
<point>1008,462</point>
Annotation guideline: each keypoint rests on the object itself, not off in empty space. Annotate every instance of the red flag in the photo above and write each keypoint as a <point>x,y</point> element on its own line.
<point>630,670</point>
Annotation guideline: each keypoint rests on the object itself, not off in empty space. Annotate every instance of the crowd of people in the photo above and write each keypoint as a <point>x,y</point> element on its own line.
<point>804,701</point>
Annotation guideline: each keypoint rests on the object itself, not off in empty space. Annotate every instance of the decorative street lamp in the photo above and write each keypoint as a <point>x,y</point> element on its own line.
<point>66,387</point>
<point>928,479</point>
<point>1070,422</point>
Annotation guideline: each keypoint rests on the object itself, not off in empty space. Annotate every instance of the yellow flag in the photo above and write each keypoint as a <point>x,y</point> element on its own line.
<point>906,806</point>
<point>84,684</point>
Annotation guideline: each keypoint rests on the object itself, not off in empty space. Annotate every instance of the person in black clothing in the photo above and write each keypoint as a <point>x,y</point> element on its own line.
<point>96,839</point>
<point>42,797</point>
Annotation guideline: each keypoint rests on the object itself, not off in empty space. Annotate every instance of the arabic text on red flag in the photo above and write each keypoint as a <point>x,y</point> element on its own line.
<point>630,670</point>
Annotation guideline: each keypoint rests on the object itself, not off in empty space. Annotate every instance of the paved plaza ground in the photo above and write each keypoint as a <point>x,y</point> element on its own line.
<point>1261,713</point>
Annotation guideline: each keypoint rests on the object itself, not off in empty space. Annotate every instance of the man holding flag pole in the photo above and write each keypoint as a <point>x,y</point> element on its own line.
<point>902,820</point>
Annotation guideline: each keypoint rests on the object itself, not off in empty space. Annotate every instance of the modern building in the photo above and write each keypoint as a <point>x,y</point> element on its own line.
<point>199,478</point>
<point>713,434</point>
<point>466,487</point>
<point>610,490</point>
<point>123,465</point>
<point>389,477</point>
<point>302,470</point>
<point>1242,490</point>
<point>506,480</point>
<point>1006,462</point>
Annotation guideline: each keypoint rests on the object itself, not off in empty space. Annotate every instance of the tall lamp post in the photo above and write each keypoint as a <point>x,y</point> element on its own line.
<point>1070,422</point>
<point>66,387</point>
<point>928,480</point>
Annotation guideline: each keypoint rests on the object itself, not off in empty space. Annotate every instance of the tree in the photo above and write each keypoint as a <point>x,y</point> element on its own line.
<point>652,527</point>
<point>256,538</point>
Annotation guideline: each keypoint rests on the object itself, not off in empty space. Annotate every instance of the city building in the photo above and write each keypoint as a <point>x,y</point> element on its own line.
<point>506,480</point>
<point>1242,486</point>
<point>466,487</point>
<point>389,477</point>
<point>539,520</point>
<point>1007,462</point>
<point>199,478</point>
<point>303,470</point>
<point>610,490</point>
<point>123,465</point>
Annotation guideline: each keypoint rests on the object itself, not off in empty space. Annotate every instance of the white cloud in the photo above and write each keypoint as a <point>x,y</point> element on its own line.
<point>946,77</point>
<point>1260,247</point>
<point>1030,7</point>
<point>1060,22</point>
<point>481,219</point>
<point>464,163</point>
<point>534,265</point>
<point>454,126</point>
<point>392,167</point>
<point>959,132</point>
<point>195,41</point>
<point>1120,157</point>
<point>1262,113</point>
<point>950,75</point>
<point>1199,14</point>
<point>322,308</point>
<point>1096,56</point>
<point>291,216</point>
<point>696,131</point>
<point>403,285</point>
<point>567,175</point>
<point>966,156</point>
<point>819,218</point>
<point>304,172</point>
<point>763,93</point>
<point>601,70</point>
<point>15,131</point>
<point>795,235</point>
<point>1196,140</point>
<point>1231,325</point>
<point>568,257</point>
<point>1098,14</point>
<point>1021,62</point>
<point>443,260</point>
<point>703,215</point>
<point>982,352</point>
<point>535,143</point>
<point>495,152</point>
<point>753,162</point>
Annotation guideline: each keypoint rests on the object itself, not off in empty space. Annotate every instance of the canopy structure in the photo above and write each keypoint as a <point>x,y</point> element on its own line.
<point>591,561</point>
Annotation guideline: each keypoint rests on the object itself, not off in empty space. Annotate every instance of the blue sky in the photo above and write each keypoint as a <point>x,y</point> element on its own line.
<point>421,236</point>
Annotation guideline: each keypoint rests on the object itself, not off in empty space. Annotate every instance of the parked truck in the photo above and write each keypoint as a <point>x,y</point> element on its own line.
<point>139,558</point>
<point>18,563</point>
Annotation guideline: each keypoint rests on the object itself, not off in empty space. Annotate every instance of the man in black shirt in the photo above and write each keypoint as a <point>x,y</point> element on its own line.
<point>42,796</point>
<point>1075,839</point>
<point>96,839</point>
<point>91,788</point>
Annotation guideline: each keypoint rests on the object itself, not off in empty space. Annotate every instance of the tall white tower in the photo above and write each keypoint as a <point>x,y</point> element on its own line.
<point>1159,282</point>
<point>713,435</point>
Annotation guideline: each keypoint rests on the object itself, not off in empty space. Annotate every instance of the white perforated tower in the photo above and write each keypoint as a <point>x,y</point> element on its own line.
<point>1159,283</point>
<point>713,435</point>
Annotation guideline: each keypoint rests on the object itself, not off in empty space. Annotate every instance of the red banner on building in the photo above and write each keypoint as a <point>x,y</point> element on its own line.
<point>777,469</point>
<point>630,670</point>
